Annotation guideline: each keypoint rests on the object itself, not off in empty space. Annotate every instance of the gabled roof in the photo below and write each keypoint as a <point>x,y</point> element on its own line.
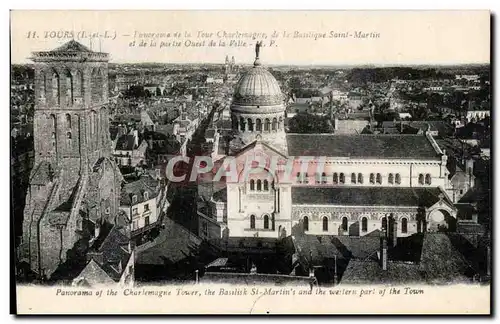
<point>362,146</point>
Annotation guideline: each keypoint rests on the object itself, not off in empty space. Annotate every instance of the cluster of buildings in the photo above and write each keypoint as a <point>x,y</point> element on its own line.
<point>381,204</point>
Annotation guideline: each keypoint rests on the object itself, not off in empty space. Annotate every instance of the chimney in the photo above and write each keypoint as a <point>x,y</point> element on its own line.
<point>383,252</point>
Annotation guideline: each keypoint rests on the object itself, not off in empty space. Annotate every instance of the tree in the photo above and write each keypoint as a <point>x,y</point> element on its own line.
<point>305,123</point>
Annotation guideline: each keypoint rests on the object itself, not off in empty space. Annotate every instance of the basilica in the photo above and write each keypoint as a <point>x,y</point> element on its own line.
<point>346,185</point>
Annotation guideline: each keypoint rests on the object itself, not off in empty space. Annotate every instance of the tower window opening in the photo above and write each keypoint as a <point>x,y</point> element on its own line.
<point>258,125</point>
<point>259,185</point>
<point>266,222</point>
<point>342,178</point>
<point>364,224</point>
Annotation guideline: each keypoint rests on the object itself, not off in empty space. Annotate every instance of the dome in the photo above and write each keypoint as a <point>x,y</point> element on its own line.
<point>257,87</point>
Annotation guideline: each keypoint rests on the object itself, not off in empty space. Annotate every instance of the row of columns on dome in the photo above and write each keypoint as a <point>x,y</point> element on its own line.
<point>259,125</point>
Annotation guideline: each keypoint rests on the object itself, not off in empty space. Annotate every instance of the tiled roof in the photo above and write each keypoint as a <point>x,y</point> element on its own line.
<point>370,272</point>
<point>114,250</point>
<point>137,188</point>
<point>442,262</point>
<point>365,196</point>
<point>361,146</point>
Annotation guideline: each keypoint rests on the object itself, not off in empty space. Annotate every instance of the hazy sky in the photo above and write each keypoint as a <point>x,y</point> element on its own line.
<point>398,37</point>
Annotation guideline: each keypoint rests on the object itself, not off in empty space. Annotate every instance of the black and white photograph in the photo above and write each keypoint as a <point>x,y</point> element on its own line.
<point>251,162</point>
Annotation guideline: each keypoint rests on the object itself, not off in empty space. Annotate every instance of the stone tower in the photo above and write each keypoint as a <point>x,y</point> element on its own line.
<point>74,185</point>
<point>258,110</point>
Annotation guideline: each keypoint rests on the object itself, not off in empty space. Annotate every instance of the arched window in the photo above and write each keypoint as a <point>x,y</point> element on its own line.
<point>134,199</point>
<point>335,178</point>
<point>384,223</point>
<point>391,178</point>
<point>323,177</point>
<point>259,185</point>
<point>69,88</point>
<point>56,88</point>
<point>275,124</point>
<point>360,178</point>
<point>242,124</point>
<point>325,224</point>
<point>266,185</point>
<point>252,185</point>
<point>427,179</point>
<point>364,224</point>
<point>280,123</point>
<point>258,125</point>
<point>342,178</point>
<point>68,139</point>
<point>421,179</point>
<point>272,223</point>
<point>372,178</point>
<point>345,224</point>
<point>252,221</point>
<point>250,125</point>
<point>353,177</point>
<point>398,178</point>
<point>267,124</point>
<point>379,178</point>
<point>299,178</point>
<point>146,195</point>
<point>404,225</point>
<point>53,120</point>
<point>306,223</point>
<point>266,222</point>
<point>80,83</point>
<point>68,120</point>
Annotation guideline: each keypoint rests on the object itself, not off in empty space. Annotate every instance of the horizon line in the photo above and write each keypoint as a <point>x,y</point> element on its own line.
<point>295,64</point>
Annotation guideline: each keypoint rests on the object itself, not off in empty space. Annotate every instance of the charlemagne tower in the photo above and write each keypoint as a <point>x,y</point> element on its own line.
<point>74,184</point>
